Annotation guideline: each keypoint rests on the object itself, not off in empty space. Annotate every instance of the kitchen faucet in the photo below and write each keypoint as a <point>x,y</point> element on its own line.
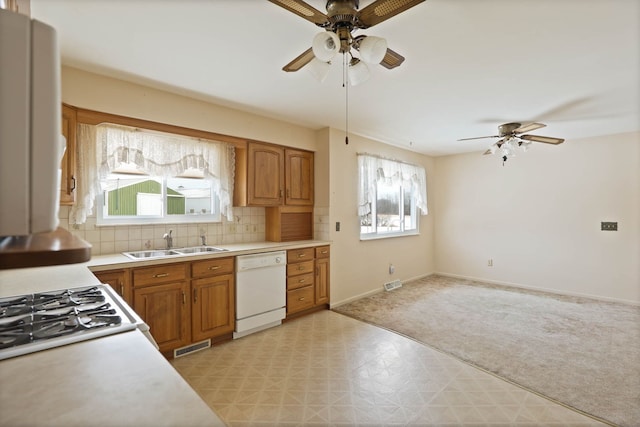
<point>203,237</point>
<point>169,239</point>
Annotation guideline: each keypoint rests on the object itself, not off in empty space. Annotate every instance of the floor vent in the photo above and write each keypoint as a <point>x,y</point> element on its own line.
<point>389,286</point>
<point>191,348</point>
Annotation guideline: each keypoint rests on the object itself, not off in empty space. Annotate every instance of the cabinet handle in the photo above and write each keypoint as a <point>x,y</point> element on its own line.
<point>161,275</point>
<point>214,267</point>
<point>73,187</point>
<point>302,255</point>
<point>324,252</point>
<point>195,295</point>
<point>300,268</point>
<point>301,281</point>
<point>122,289</point>
<point>184,298</point>
<point>301,299</point>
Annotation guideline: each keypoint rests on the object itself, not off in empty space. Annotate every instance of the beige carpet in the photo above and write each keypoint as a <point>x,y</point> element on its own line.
<point>583,353</point>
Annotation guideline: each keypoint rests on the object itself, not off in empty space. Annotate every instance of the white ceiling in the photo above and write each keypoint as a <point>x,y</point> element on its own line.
<point>470,65</point>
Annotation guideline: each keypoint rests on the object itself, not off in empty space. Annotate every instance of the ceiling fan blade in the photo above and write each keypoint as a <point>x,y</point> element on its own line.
<point>392,59</point>
<point>303,10</point>
<point>381,10</point>
<point>301,60</point>
<point>488,152</point>
<point>528,127</point>
<point>479,137</point>
<point>545,139</point>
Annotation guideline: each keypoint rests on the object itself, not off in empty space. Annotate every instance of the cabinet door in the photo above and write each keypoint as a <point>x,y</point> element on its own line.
<point>166,309</point>
<point>322,281</point>
<point>265,172</point>
<point>68,166</point>
<point>298,178</point>
<point>119,281</point>
<point>213,312</point>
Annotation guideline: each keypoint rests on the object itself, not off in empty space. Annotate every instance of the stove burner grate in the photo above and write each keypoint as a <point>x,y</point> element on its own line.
<point>43,316</point>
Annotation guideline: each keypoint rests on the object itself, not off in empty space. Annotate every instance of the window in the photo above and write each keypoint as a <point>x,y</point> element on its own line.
<point>390,194</point>
<point>143,176</point>
<point>155,199</point>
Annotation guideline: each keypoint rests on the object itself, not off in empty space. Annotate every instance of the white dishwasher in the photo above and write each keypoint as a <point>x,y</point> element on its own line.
<point>261,291</point>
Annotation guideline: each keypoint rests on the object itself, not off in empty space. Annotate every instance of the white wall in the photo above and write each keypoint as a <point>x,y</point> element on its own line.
<point>361,267</point>
<point>538,217</point>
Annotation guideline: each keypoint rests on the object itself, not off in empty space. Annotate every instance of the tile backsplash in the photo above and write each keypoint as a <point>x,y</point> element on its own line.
<point>249,226</point>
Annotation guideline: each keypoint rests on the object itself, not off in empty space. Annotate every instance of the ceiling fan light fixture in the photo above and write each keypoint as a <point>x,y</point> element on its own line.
<point>319,69</point>
<point>358,72</point>
<point>524,145</point>
<point>325,45</point>
<point>373,49</point>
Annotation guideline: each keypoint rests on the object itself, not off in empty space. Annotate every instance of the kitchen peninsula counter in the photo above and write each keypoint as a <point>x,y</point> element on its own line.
<point>118,380</point>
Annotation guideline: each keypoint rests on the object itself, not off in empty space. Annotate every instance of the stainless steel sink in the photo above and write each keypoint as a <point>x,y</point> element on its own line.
<point>199,250</point>
<point>153,253</point>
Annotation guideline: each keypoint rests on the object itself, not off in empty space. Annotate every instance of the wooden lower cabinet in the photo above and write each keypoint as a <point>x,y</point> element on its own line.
<point>213,298</point>
<point>166,309</point>
<point>307,279</point>
<point>322,281</point>
<point>119,280</point>
<point>187,302</point>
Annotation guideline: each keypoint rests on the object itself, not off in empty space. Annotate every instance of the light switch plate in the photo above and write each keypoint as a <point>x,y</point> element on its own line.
<point>608,226</point>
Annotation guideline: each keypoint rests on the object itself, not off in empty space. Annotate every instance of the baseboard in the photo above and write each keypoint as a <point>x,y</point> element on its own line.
<point>375,291</point>
<point>535,288</point>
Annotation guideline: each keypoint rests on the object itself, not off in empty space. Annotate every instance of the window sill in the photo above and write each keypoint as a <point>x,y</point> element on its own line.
<point>387,236</point>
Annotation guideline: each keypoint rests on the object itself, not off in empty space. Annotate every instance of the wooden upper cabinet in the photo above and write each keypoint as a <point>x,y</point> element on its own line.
<point>68,179</point>
<point>265,175</point>
<point>270,175</point>
<point>298,178</point>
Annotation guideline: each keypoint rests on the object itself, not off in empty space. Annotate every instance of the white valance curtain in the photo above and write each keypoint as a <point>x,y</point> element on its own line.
<point>373,169</point>
<point>107,148</point>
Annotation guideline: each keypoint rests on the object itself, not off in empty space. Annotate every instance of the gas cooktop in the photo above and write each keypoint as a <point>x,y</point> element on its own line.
<point>40,321</point>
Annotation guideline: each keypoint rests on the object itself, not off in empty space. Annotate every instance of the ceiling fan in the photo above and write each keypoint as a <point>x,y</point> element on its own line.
<point>511,139</point>
<point>340,21</point>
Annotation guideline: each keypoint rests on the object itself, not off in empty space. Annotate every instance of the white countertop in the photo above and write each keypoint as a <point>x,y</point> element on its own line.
<point>119,380</point>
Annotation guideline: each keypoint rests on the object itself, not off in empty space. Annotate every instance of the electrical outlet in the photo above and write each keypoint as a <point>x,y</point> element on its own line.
<point>247,228</point>
<point>490,262</point>
<point>232,228</point>
<point>392,269</point>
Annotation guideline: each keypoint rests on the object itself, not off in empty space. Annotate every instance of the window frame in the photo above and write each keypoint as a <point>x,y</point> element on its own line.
<point>408,179</point>
<point>403,232</point>
<point>164,218</point>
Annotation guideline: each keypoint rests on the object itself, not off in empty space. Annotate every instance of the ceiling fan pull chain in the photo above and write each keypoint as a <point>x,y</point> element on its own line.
<point>345,84</point>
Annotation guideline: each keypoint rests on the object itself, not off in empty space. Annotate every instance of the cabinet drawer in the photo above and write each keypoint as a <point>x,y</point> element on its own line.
<point>297,255</point>
<point>299,299</point>
<point>323,252</point>
<point>212,267</point>
<point>159,274</point>
<point>299,281</point>
<point>300,268</point>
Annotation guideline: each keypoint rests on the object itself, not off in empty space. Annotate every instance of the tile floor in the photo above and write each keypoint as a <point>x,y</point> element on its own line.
<point>328,369</point>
